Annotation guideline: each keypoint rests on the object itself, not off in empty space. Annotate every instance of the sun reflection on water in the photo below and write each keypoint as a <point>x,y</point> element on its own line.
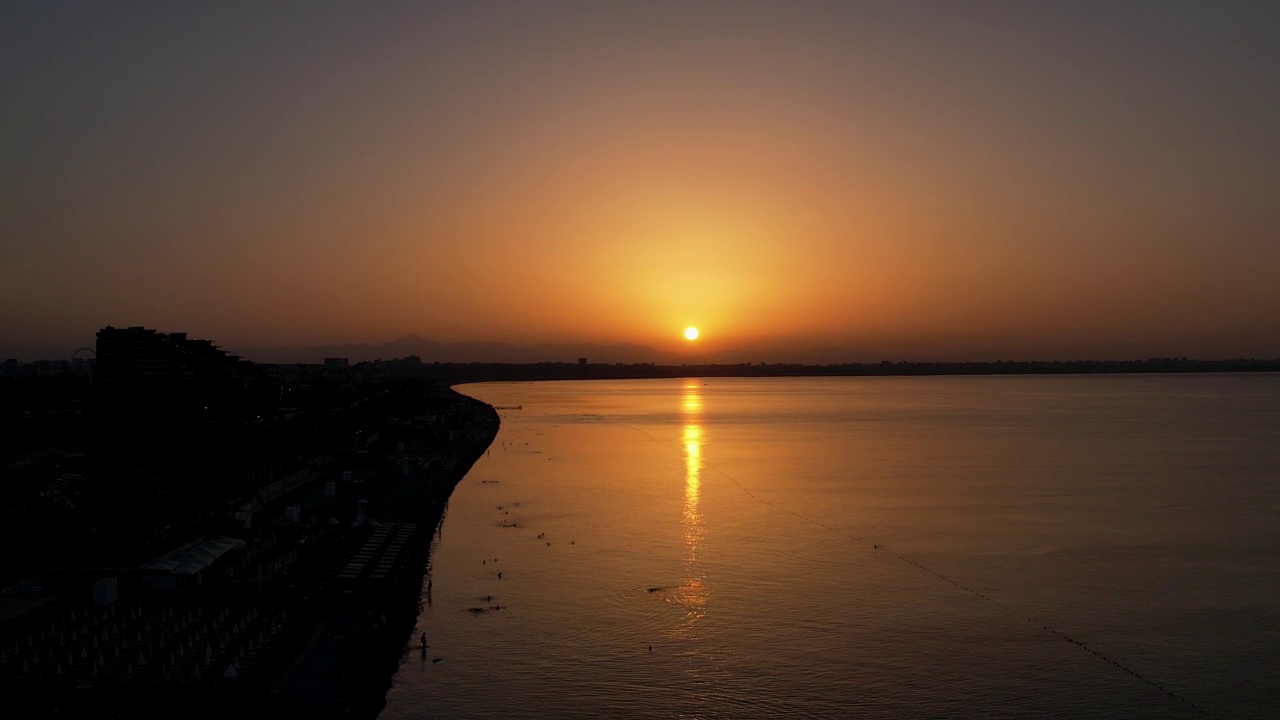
<point>693,593</point>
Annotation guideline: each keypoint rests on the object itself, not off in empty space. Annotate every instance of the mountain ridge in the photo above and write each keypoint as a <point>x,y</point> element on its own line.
<point>429,350</point>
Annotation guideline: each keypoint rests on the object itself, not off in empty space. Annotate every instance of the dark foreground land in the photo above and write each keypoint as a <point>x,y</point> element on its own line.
<point>250,566</point>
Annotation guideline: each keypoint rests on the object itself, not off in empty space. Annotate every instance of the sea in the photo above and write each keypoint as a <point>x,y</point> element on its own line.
<point>1101,546</point>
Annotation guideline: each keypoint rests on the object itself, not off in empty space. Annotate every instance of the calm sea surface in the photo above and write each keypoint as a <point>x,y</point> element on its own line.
<point>1072,547</point>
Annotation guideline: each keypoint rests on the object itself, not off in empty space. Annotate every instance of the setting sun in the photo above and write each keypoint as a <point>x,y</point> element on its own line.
<point>691,333</point>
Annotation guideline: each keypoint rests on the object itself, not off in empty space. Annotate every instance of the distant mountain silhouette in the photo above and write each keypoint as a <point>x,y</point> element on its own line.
<point>429,351</point>
<point>434,351</point>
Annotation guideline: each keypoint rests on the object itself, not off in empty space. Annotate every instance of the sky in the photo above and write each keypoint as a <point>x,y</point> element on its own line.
<point>852,180</point>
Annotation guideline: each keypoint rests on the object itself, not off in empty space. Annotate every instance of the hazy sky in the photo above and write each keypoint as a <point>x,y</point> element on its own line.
<point>950,180</point>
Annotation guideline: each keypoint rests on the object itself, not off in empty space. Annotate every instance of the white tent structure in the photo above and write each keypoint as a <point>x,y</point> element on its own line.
<point>185,565</point>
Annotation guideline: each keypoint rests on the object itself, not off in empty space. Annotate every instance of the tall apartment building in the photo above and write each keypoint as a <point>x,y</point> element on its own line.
<point>142,366</point>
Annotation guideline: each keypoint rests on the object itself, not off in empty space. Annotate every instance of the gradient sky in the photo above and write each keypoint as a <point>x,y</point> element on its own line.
<point>949,180</point>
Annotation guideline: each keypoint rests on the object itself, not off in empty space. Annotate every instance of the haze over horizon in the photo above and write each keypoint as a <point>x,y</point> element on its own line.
<point>907,180</point>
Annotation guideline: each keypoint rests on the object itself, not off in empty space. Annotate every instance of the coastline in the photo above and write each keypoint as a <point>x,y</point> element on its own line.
<point>458,373</point>
<point>350,668</point>
<point>328,641</point>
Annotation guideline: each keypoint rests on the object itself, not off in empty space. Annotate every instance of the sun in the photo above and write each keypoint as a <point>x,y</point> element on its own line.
<point>691,333</point>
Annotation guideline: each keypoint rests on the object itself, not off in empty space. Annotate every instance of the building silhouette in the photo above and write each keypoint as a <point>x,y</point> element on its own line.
<point>140,368</point>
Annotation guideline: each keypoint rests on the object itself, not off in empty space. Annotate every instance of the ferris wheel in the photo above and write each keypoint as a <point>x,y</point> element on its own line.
<point>83,361</point>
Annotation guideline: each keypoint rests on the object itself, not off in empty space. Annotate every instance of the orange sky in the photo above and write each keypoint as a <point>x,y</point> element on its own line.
<point>899,180</point>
